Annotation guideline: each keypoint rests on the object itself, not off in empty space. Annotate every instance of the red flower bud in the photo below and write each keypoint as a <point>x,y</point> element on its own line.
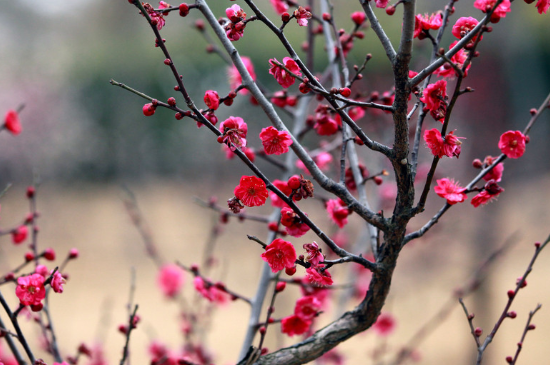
<point>358,17</point>
<point>30,192</point>
<point>148,109</point>
<point>273,226</point>
<point>49,254</point>
<point>294,182</point>
<point>345,92</point>
<point>123,329</point>
<point>290,271</point>
<point>29,256</point>
<point>184,9</point>
<point>73,253</point>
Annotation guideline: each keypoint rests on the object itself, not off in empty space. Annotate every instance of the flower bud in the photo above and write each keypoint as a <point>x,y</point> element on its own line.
<point>345,92</point>
<point>49,254</point>
<point>477,163</point>
<point>184,9</point>
<point>285,17</point>
<point>73,253</point>
<point>358,17</point>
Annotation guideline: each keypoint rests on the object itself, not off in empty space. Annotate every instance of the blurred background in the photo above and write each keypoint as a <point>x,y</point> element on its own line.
<point>86,139</point>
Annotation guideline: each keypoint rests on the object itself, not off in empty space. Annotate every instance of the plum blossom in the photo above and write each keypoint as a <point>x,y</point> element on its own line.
<point>322,294</point>
<point>212,99</point>
<point>251,191</point>
<point>209,291</point>
<point>458,59</point>
<point>542,6</point>
<point>488,5</point>
<point>249,152</point>
<point>496,172</point>
<point>280,6</point>
<point>157,18</point>
<point>235,13</point>
<point>57,282</point>
<point>349,179</point>
<point>314,254</point>
<point>442,146</point>
<point>358,17</point>
<point>316,275</point>
<point>512,144</point>
<point>434,96</point>
<point>159,353</point>
<point>302,16</point>
<point>448,189</point>
<point>170,280</point>
<point>235,28</point>
<point>463,26</point>
<point>275,142</point>
<point>281,75</point>
<point>30,289</point>
<point>292,222</point>
<point>235,31</point>
<point>42,270</point>
<point>12,123</point>
<point>283,187</point>
<point>338,212</point>
<point>426,22</point>
<point>355,114</point>
<point>307,307</point>
<point>279,254</point>
<point>332,357</point>
<point>325,125</point>
<point>381,3</point>
<point>235,79</point>
<point>234,131</point>
<point>490,190</point>
<point>323,161</point>
<point>294,325</point>
<point>19,234</point>
<point>385,324</point>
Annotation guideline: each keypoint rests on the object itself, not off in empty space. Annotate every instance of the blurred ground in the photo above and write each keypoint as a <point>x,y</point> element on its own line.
<point>93,219</point>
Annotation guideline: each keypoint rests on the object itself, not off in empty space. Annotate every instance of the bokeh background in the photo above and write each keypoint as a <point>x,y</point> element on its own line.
<point>86,140</point>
